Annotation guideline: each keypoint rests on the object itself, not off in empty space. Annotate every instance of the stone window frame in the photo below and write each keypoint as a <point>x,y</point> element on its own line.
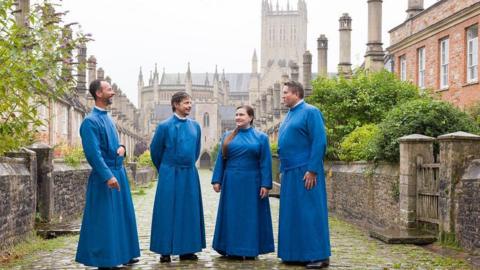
<point>472,53</point>
<point>403,67</point>
<point>444,49</point>
<point>206,120</point>
<point>421,57</point>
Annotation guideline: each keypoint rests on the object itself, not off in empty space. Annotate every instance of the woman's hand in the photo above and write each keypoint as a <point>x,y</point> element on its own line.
<point>263,192</point>
<point>217,187</point>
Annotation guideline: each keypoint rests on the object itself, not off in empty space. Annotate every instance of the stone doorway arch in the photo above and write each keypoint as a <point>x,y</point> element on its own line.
<point>205,162</point>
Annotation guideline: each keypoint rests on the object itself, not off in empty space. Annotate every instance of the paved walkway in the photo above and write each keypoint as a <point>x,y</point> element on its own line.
<point>351,248</point>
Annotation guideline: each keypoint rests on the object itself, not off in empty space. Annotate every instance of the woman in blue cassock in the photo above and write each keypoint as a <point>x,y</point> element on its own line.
<point>108,236</point>
<point>177,223</point>
<point>243,174</point>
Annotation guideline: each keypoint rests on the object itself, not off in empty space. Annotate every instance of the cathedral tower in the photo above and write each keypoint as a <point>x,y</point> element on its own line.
<point>284,37</point>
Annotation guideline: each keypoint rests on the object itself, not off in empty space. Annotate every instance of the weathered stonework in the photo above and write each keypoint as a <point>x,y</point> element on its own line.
<point>363,192</point>
<point>17,200</point>
<point>468,204</point>
<point>70,185</point>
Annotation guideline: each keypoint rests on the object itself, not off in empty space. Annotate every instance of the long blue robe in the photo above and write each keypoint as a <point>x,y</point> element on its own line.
<point>244,222</point>
<point>108,236</point>
<point>303,233</point>
<point>177,224</point>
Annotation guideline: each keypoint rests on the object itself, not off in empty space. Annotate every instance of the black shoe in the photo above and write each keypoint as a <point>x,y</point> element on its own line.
<point>318,264</point>
<point>165,258</point>
<point>110,268</point>
<point>294,263</point>
<point>132,261</point>
<point>248,258</point>
<point>188,257</point>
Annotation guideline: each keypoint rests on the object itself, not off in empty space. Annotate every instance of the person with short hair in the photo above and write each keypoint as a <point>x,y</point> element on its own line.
<point>243,175</point>
<point>108,236</point>
<point>303,234</point>
<point>177,223</point>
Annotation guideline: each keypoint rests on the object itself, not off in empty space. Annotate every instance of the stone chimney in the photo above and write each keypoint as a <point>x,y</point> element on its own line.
<point>23,9</point>
<point>345,64</point>
<point>374,55</point>
<point>414,7</point>
<point>307,73</point>
<point>82,70</point>
<point>322,47</point>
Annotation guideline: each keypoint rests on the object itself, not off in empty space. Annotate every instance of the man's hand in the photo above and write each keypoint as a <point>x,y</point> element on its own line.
<point>310,179</point>
<point>113,183</point>
<point>263,192</point>
<point>217,187</point>
<point>121,151</point>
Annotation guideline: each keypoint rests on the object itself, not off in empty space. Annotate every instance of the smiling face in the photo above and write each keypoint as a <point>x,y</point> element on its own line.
<point>242,119</point>
<point>184,107</point>
<point>105,94</point>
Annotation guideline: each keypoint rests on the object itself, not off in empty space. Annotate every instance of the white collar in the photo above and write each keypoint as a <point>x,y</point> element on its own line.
<point>179,117</point>
<point>100,109</point>
<point>298,103</point>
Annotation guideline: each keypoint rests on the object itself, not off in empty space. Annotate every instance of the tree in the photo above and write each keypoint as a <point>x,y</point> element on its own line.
<point>350,103</point>
<point>35,67</point>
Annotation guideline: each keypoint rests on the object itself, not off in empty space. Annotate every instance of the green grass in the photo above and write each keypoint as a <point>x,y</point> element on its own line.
<point>27,251</point>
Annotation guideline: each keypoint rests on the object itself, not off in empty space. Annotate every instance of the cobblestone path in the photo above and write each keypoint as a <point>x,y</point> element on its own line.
<point>351,248</point>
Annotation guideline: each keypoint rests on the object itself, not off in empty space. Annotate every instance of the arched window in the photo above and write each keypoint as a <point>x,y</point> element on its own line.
<point>206,120</point>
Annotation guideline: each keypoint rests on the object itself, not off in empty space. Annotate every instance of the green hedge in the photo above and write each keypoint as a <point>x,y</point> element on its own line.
<point>424,116</point>
<point>364,99</point>
<point>359,144</point>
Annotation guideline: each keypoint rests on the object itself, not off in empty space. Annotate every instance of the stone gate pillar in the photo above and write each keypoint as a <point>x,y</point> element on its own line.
<point>414,149</point>
<point>456,151</point>
<point>45,188</point>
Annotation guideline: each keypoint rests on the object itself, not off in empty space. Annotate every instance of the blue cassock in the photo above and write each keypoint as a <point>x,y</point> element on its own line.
<point>303,226</point>
<point>177,223</point>
<point>244,223</point>
<point>108,236</point>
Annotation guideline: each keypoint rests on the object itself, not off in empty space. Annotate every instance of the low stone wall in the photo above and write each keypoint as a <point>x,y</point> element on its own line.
<point>70,185</point>
<point>468,204</point>
<point>363,192</point>
<point>140,176</point>
<point>17,199</point>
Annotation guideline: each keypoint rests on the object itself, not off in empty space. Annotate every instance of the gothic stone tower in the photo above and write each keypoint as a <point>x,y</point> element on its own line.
<point>284,40</point>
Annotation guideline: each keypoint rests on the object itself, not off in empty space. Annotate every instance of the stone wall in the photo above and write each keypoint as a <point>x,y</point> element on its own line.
<point>139,176</point>
<point>363,192</point>
<point>17,200</point>
<point>468,205</point>
<point>70,185</point>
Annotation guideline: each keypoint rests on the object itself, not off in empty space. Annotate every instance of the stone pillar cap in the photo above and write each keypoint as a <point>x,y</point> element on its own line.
<point>459,135</point>
<point>39,145</point>
<point>416,138</point>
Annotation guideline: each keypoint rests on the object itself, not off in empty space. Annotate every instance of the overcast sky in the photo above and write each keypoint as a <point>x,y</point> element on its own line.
<point>133,34</point>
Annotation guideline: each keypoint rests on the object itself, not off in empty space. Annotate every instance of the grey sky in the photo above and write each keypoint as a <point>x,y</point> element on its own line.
<point>207,33</point>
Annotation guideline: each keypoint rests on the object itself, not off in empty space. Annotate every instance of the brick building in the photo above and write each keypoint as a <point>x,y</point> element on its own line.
<point>437,48</point>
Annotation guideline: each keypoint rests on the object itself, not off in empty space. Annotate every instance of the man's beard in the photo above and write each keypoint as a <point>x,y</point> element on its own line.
<point>109,101</point>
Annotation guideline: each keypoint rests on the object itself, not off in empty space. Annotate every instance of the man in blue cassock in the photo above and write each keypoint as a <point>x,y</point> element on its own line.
<point>303,235</point>
<point>177,222</point>
<point>108,236</point>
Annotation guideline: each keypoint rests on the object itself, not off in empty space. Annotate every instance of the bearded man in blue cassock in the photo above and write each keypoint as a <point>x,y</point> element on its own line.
<point>108,236</point>
<point>177,222</point>
<point>303,235</point>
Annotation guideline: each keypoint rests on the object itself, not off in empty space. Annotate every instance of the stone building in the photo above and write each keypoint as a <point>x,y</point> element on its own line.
<point>437,48</point>
<point>215,97</point>
<point>62,117</point>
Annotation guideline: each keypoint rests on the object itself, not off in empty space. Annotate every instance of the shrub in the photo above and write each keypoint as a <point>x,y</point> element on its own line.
<point>359,144</point>
<point>424,116</point>
<point>214,153</point>
<point>145,160</point>
<point>274,149</point>
<point>35,68</point>
<point>363,99</point>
